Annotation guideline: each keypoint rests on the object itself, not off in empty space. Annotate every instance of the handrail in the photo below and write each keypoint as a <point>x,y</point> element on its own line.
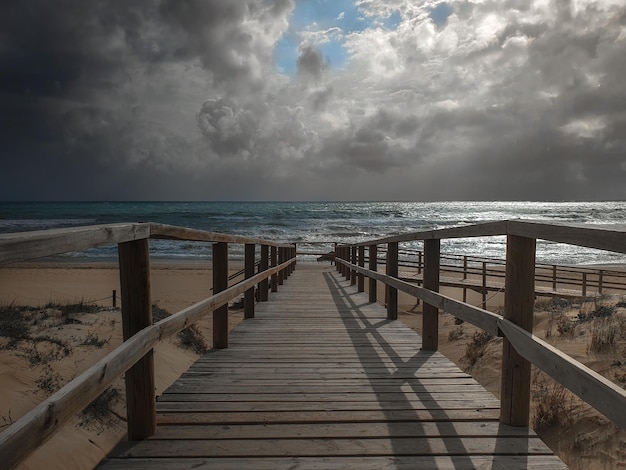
<point>23,436</point>
<point>520,346</point>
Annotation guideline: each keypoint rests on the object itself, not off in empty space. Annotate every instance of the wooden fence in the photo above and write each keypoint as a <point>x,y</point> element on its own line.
<point>520,347</point>
<point>134,357</point>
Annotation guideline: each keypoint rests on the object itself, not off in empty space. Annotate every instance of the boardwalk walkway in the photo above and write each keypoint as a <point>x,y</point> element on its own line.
<point>319,379</point>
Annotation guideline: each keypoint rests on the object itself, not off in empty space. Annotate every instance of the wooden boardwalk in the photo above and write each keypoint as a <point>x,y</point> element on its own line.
<point>319,379</point>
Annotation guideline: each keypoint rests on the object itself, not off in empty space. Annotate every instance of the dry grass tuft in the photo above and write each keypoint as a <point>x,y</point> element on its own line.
<point>552,402</point>
<point>476,348</point>
<point>604,334</point>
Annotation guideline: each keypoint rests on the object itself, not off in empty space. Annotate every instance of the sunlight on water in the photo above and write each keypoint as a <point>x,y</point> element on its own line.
<point>311,222</point>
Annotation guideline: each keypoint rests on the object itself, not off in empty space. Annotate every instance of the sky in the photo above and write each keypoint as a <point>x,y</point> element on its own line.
<point>313,100</point>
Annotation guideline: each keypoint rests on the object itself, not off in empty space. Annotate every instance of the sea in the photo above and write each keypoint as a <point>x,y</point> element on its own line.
<point>316,226</point>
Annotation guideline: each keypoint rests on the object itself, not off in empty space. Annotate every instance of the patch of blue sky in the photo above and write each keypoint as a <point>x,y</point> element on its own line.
<point>440,13</point>
<point>321,15</point>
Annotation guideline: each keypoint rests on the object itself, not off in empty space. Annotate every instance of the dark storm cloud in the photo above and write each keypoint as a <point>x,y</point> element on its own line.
<point>311,63</point>
<point>180,99</point>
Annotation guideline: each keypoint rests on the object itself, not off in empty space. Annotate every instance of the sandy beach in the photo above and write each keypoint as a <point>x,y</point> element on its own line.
<point>579,435</point>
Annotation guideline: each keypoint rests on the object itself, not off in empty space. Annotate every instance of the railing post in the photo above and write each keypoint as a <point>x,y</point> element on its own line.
<point>584,292</point>
<point>484,290</point>
<point>281,260</point>
<point>554,277</point>
<point>264,284</point>
<point>361,262</point>
<point>419,262</point>
<point>464,278</point>
<point>274,254</point>
<point>430,316</point>
<point>248,298</point>
<point>353,260</point>
<point>220,283</point>
<point>134,261</point>
<point>600,274</point>
<point>519,299</point>
<point>392,270</point>
<point>373,266</point>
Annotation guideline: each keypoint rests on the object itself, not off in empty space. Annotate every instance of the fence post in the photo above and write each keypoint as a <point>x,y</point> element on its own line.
<point>554,277</point>
<point>134,262</point>
<point>392,270</point>
<point>248,298</point>
<point>373,263</point>
<point>600,274</point>
<point>353,260</point>
<point>430,317</point>
<point>519,300</point>
<point>274,254</point>
<point>114,298</point>
<point>361,262</point>
<point>264,284</point>
<point>584,293</point>
<point>220,283</point>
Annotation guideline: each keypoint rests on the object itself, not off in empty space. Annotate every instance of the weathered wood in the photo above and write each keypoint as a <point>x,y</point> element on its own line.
<point>392,271</point>
<point>373,266</point>
<point>134,259</point>
<point>265,262</point>
<point>220,283</point>
<point>519,302</point>
<point>23,246</point>
<point>249,264</point>
<point>457,462</point>
<point>274,262</point>
<point>171,232</point>
<point>602,237</point>
<point>353,260</point>
<point>430,318</point>
<point>361,263</point>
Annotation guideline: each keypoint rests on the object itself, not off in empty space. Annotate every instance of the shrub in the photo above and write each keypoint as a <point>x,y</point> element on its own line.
<point>100,411</point>
<point>551,402</point>
<point>191,338</point>
<point>158,313</point>
<point>13,326</point>
<point>49,381</point>
<point>603,335</point>
<point>455,334</point>
<point>94,340</point>
<point>476,347</point>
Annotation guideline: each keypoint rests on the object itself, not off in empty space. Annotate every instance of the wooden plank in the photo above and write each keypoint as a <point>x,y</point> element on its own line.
<point>464,462</point>
<point>340,430</point>
<point>324,416</point>
<point>338,447</point>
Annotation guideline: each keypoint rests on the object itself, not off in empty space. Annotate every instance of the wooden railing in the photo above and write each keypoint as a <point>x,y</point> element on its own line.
<point>134,356</point>
<point>520,347</point>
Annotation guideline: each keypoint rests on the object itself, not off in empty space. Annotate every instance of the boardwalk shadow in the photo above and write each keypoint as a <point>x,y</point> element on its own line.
<point>434,424</point>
